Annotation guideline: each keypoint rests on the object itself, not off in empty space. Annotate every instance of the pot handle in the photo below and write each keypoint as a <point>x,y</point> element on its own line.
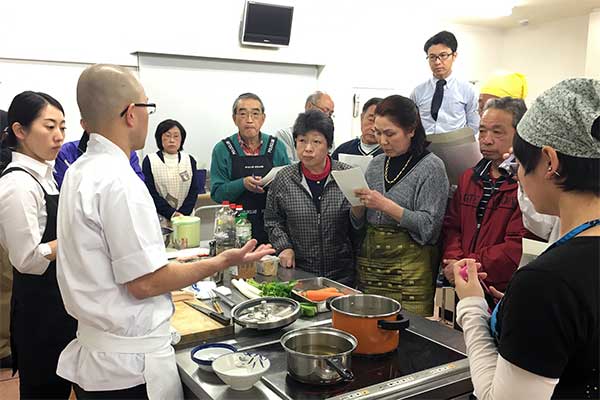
<point>345,373</point>
<point>400,324</point>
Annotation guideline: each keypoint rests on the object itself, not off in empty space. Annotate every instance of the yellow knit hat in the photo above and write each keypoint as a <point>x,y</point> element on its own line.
<point>511,85</point>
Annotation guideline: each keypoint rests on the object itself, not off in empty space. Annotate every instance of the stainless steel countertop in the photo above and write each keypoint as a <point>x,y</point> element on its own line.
<point>206,385</point>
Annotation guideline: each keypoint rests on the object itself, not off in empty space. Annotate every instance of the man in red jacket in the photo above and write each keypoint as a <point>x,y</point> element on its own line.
<point>483,220</point>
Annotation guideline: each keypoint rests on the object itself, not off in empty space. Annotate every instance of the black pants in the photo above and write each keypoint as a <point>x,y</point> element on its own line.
<point>133,393</point>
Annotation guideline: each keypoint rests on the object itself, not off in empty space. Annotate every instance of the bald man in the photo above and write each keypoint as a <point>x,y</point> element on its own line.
<point>318,101</point>
<point>112,267</point>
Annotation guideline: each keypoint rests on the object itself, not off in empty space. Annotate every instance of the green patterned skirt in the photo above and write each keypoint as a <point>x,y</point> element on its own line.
<point>392,264</point>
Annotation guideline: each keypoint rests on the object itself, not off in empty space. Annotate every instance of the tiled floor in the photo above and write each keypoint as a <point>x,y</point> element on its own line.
<point>9,386</point>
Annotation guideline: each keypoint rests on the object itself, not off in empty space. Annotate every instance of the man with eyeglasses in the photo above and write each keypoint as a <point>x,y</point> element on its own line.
<point>241,160</point>
<point>112,268</point>
<point>445,103</point>
<point>319,101</point>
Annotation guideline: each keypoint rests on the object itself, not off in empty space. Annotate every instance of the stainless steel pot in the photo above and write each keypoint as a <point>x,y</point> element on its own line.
<point>319,355</point>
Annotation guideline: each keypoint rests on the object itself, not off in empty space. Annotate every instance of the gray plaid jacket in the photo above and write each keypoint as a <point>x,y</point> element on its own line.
<point>322,243</point>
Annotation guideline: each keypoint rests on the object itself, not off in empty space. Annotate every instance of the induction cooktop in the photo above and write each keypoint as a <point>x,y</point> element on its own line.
<point>417,359</point>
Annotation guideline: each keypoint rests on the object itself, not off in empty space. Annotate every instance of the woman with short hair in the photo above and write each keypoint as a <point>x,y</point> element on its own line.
<point>402,209</point>
<point>307,215</point>
<point>542,339</point>
<point>171,175</point>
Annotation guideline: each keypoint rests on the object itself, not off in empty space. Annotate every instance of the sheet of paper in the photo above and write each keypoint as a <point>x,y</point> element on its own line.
<point>356,161</point>
<point>268,178</point>
<point>348,180</point>
<point>458,149</point>
<point>531,250</point>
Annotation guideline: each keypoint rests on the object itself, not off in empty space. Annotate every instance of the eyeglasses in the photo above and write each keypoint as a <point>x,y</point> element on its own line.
<point>434,57</point>
<point>325,111</point>
<point>151,108</point>
<point>246,114</point>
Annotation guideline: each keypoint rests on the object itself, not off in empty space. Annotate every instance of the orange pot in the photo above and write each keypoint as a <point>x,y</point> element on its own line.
<point>374,320</point>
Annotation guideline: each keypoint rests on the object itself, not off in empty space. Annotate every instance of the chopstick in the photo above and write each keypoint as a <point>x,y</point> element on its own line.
<point>215,302</point>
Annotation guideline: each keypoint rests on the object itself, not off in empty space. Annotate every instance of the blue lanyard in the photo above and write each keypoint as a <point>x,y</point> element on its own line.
<point>574,232</point>
<point>568,236</point>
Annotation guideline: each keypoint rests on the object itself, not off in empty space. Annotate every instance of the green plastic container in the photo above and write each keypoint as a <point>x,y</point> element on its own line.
<point>186,232</point>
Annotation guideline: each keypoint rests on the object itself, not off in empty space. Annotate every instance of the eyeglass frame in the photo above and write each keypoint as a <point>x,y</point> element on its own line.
<point>442,57</point>
<point>153,105</point>
<point>328,113</point>
<point>249,114</point>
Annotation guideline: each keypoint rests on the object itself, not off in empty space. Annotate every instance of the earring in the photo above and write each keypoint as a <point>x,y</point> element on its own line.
<point>556,173</point>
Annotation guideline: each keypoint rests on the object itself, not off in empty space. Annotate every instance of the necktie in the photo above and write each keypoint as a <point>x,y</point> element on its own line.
<point>438,96</point>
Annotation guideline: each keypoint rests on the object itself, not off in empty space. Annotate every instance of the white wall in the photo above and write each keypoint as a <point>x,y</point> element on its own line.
<point>546,53</point>
<point>592,56</point>
<point>375,44</point>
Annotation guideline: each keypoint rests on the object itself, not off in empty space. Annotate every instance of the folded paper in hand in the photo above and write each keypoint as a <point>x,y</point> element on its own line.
<point>268,178</point>
<point>348,180</point>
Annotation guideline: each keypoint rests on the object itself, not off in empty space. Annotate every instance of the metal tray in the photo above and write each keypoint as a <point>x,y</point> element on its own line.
<point>319,283</point>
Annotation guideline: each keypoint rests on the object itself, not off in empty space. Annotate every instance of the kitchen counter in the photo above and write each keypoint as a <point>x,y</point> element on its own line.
<point>205,385</point>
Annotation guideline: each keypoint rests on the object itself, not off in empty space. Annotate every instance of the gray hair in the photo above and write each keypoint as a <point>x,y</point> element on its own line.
<point>516,107</point>
<point>314,97</point>
<point>245,96</point>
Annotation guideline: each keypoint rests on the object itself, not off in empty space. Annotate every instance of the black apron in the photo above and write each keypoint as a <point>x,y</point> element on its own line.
<point>254,203</point>
<point>40,328</point>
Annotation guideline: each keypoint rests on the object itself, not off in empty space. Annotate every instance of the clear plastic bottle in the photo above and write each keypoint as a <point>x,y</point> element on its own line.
<point>243,229</point>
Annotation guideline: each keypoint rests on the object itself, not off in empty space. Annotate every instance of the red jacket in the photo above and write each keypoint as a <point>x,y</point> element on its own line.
<point>497,243</point>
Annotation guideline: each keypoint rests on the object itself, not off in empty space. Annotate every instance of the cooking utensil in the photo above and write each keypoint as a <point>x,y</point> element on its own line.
<point>374,320</point>
<point>215,302</point>
<point>319,283</point>
<point>225,299</point>
<point>319,355</point>
<point>205,354</point>
<point>216,316</point>
<point>186,231</point>
<point>266,312</point>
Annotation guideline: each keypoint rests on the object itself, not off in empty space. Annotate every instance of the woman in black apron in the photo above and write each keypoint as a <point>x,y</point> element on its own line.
<point>40,327</point>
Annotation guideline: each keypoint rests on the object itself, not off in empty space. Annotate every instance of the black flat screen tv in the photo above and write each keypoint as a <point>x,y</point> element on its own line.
<point>266,24</point>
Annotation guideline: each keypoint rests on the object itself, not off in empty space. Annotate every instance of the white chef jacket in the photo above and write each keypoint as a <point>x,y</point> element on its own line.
<point>109,236</point>
<point>459,106</point>
<point>23,213</point>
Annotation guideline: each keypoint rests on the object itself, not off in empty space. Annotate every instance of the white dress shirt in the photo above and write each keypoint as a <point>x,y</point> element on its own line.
<point>109,236</point>
<point>23,213</point>
<point>458,109</point>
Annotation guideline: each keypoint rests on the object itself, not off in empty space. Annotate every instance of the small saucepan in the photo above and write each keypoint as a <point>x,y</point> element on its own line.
<point>374,320</point>
<point>319,356</point>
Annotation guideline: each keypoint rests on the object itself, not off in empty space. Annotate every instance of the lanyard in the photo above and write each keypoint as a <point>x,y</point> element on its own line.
<point>568,236</point>
<point>574,232</point>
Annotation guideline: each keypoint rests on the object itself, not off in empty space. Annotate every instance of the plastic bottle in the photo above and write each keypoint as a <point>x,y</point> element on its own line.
<point>243,229</point>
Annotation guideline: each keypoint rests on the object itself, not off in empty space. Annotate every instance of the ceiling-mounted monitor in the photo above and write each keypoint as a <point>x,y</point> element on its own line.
<point>266,24</point>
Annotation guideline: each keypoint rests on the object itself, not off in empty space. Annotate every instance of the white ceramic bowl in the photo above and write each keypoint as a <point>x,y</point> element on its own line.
<point>204,355</point>
<point>239,370</point>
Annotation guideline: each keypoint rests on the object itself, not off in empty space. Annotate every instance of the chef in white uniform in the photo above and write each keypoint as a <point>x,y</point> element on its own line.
<point>112,269</point>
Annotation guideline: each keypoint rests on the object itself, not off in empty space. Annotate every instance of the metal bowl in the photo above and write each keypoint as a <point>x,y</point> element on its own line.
<point>266,313</point>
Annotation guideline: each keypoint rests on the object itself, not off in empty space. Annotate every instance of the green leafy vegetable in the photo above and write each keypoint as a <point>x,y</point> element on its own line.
<point>274,289</point>
<point>308,309</point>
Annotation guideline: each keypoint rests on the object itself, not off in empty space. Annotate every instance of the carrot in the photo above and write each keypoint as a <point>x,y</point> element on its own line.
<point>320,295</point>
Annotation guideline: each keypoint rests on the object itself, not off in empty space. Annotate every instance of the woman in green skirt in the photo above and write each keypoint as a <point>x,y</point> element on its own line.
<point>402,210</point>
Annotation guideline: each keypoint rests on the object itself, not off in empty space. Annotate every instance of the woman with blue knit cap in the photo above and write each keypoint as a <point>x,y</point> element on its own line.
<point>541,341</point>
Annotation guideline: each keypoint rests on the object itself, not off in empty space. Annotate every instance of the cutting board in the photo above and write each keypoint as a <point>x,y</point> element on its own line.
<point>194,327</point>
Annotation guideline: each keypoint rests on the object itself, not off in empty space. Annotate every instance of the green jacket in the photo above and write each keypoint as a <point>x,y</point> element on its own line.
<point>221,186</point>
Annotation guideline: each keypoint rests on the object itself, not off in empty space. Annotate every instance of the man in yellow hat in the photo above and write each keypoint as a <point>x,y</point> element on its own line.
<point>512,85</point>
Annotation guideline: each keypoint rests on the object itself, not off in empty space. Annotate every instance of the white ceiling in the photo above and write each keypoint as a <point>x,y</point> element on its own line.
<point>536,12</point>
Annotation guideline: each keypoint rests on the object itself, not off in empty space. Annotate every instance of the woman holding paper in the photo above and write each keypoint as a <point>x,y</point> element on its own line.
<point>307,215</point>
<point>402,210</point>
